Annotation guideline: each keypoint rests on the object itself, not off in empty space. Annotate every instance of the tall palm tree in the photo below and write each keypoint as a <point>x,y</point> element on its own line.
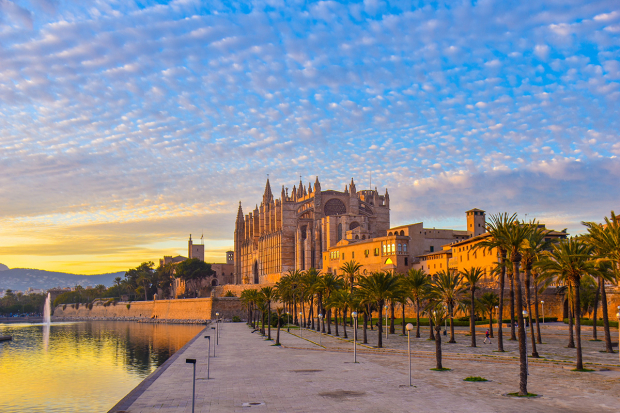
<point>496,227</point>
<point>328,283</point>
<point>417,285</point>
<point>377,288</point>
<point>472,277</point>
<point>269,294</point>
<point>515,237</point>
<point>350,271</point>
<point>448,288</point>
<point>438,315</point>
<point>532,249</point>
<point>568,262</point>
<point>488,301</point>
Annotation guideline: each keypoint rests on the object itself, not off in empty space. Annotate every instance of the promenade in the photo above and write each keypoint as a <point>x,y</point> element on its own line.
<point>303,376</point>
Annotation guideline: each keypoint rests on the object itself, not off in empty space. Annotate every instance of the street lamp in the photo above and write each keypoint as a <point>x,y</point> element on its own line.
<point>320,334</point>
<point>301,327</point>
<point>543,310</point>
<point>193,361</point>
<point>354,314</point>
<point>409,328</point>
<point>208,354</point>
<point>217,328</point>
<point>527,362</point>
<point>386,328</point>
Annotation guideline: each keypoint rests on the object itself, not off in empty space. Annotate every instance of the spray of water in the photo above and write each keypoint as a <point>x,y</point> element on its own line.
<point>47,310</point>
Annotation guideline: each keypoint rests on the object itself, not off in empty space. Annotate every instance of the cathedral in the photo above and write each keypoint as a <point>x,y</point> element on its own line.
<point>293,232</point>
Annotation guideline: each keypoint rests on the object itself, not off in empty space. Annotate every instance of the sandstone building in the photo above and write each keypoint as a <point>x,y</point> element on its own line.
<point>294,231</point>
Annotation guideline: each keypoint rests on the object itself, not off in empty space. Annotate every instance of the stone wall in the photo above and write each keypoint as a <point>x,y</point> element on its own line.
<point>182,309</point>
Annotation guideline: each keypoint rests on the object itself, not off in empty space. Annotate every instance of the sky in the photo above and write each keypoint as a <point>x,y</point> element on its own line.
<point>127,125</point>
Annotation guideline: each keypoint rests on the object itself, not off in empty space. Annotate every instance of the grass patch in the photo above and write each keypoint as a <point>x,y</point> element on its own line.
<point>595,339</point>
<point>276,345</point>
<point>441,369</point>
<point>516,394</point>
<point>583,370</point>
<point>474,378</point>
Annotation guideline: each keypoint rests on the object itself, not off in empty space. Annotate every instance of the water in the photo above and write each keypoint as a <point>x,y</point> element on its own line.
<point>82,366</point>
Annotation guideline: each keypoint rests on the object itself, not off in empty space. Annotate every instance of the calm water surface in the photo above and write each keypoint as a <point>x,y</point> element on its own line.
<point>82,366</point>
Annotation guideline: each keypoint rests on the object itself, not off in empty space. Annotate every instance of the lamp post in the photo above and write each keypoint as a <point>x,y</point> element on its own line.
<point>409,328</point>
<point>527,359</point>
<point>288,322</point>
<point>217,328</point>
<point>354,314</point>
<point>301,327</point>
<point>543,310</point>
<point>386,328</point>
<point>193,361</point>
<point>208,354</point>
<point>320,334</point>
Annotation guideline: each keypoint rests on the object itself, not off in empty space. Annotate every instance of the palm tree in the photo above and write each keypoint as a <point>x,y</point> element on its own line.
<point>269,294</point>
<point>377,288</point>
<point>438,315</point>
<point>447,288</point>
<point>515,237</point>
<point>496,226</point>
<point>488,301</point>
<point>533,246</point>
<point>328,283</point>
<point>473,277</point>
<point>350,271</point>
<point>568,262</point>
<point>417,285</point>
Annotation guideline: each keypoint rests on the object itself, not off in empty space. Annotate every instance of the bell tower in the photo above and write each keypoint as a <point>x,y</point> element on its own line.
<point>476,222</point>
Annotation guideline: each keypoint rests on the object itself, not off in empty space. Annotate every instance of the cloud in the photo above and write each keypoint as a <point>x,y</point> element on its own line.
<point>118,115</point>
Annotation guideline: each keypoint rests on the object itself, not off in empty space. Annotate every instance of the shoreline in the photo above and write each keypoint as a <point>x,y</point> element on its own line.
<point>124,403</point>
<point>144,320</point>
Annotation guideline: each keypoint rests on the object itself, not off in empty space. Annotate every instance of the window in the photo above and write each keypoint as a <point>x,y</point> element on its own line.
<point>393,248</point>
<point>352,255</point>
<point>400,248</point>
<point>406,261</point>
<point>432,248</point>
<point>343,255</point>
<point>404,247</point>
<point>384,248</point>
<point>366,253</point>
<point>376,252</point>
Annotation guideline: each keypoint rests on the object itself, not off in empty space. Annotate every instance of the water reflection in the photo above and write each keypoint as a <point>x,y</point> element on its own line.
<point>85,366</point>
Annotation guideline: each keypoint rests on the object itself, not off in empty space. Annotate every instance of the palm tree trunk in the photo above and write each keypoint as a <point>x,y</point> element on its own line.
<point>595,316</point>
<point>365,329</point>
<point>522,336</point>
<point>329,322</point>
<point>608,347</point>
<point>268,320</point>
<point>336,321</point>
<point>430,323</point>
<point>538,337</point>
<point>380,326</point>
<point>491,321</point>
<point>403,323</point>
<point>472,322</point>
<point>437,346</point>
<point>529,310</point>
<point>344,322</point>
<point>500,313</point>
<point>578,325</point>
<point>417,317</point>
<point>278,333</point>
<point>295,319</point>
<point>452,340</point>
<point>512,307</point>
<point>392,331</point>
<point>571,339</point>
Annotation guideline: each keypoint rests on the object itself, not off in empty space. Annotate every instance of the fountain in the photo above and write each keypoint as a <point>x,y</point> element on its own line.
<point>47,310</point>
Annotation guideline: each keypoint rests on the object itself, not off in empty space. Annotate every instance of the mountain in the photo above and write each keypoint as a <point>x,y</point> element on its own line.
<point>19,279</point>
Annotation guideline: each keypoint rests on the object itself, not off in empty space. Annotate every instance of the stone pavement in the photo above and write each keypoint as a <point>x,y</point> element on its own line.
<point>302,376</point>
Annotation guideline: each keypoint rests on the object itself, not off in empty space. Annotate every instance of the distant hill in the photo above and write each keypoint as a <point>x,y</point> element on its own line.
<point>20,279</point>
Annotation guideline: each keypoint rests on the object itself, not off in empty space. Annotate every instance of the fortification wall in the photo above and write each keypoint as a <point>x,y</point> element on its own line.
<point>182,309</point>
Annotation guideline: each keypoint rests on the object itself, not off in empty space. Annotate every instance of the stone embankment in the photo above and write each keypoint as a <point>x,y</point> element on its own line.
<point>136,319</point>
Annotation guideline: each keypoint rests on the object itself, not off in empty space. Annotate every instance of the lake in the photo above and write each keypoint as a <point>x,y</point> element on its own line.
<point>81,366</point>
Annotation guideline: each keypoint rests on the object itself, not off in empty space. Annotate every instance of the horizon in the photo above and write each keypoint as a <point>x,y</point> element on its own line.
<point>125,127</point>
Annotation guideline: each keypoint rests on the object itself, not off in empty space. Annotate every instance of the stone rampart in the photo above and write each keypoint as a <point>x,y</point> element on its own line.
<point>180,309</point>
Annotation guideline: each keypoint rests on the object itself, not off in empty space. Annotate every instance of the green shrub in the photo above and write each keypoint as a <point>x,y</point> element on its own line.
<point>90,306</point>
<point>128,306</point>
<point>229,294</point>
<point>236,319</point>
<point>586,322</point>
<point>475,378</point>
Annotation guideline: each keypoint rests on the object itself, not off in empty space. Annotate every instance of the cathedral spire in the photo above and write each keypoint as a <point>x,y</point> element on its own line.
<point>267,196</point>
<point>240,213</point>
<point>317,184</point>
<point>352,187</point>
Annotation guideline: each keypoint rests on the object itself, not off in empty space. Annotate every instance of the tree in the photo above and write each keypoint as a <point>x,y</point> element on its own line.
<point>488,301</point>
<point>269,294</point>
<point>568,262</point>
<point>515,236</point>
<point>417,285</point>
<point>193,271</point>
<point>376,288</point>
<point>279,314</point>
<point>438,315</point>
<point>496,227</point>
<point>473,277</point>
<point>447,288</point>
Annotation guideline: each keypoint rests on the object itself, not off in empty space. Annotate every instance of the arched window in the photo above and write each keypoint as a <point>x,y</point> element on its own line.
<point>363,236</point>
<point>214,282</point>
<point>339,235</point>
<point>389,261</point>
<point>402,233</point>
<point>400,248</point>
<point>334,207</point>
<point>384,250</point>
<point>389,234</point>
<point>404,247</point>
<point>357,237</point>
<point>393,247</point>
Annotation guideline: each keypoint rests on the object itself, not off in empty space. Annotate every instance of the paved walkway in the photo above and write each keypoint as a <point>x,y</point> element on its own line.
<point>302,376</point>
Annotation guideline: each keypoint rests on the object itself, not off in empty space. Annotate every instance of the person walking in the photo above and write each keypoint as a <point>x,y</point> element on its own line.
<point>487,337</point>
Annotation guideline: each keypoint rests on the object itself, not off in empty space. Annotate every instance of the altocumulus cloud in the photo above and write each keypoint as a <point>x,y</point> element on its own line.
<point>126,115</point>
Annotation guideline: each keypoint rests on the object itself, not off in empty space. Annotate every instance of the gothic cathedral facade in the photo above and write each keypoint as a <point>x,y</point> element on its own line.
<point>291,233</point>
